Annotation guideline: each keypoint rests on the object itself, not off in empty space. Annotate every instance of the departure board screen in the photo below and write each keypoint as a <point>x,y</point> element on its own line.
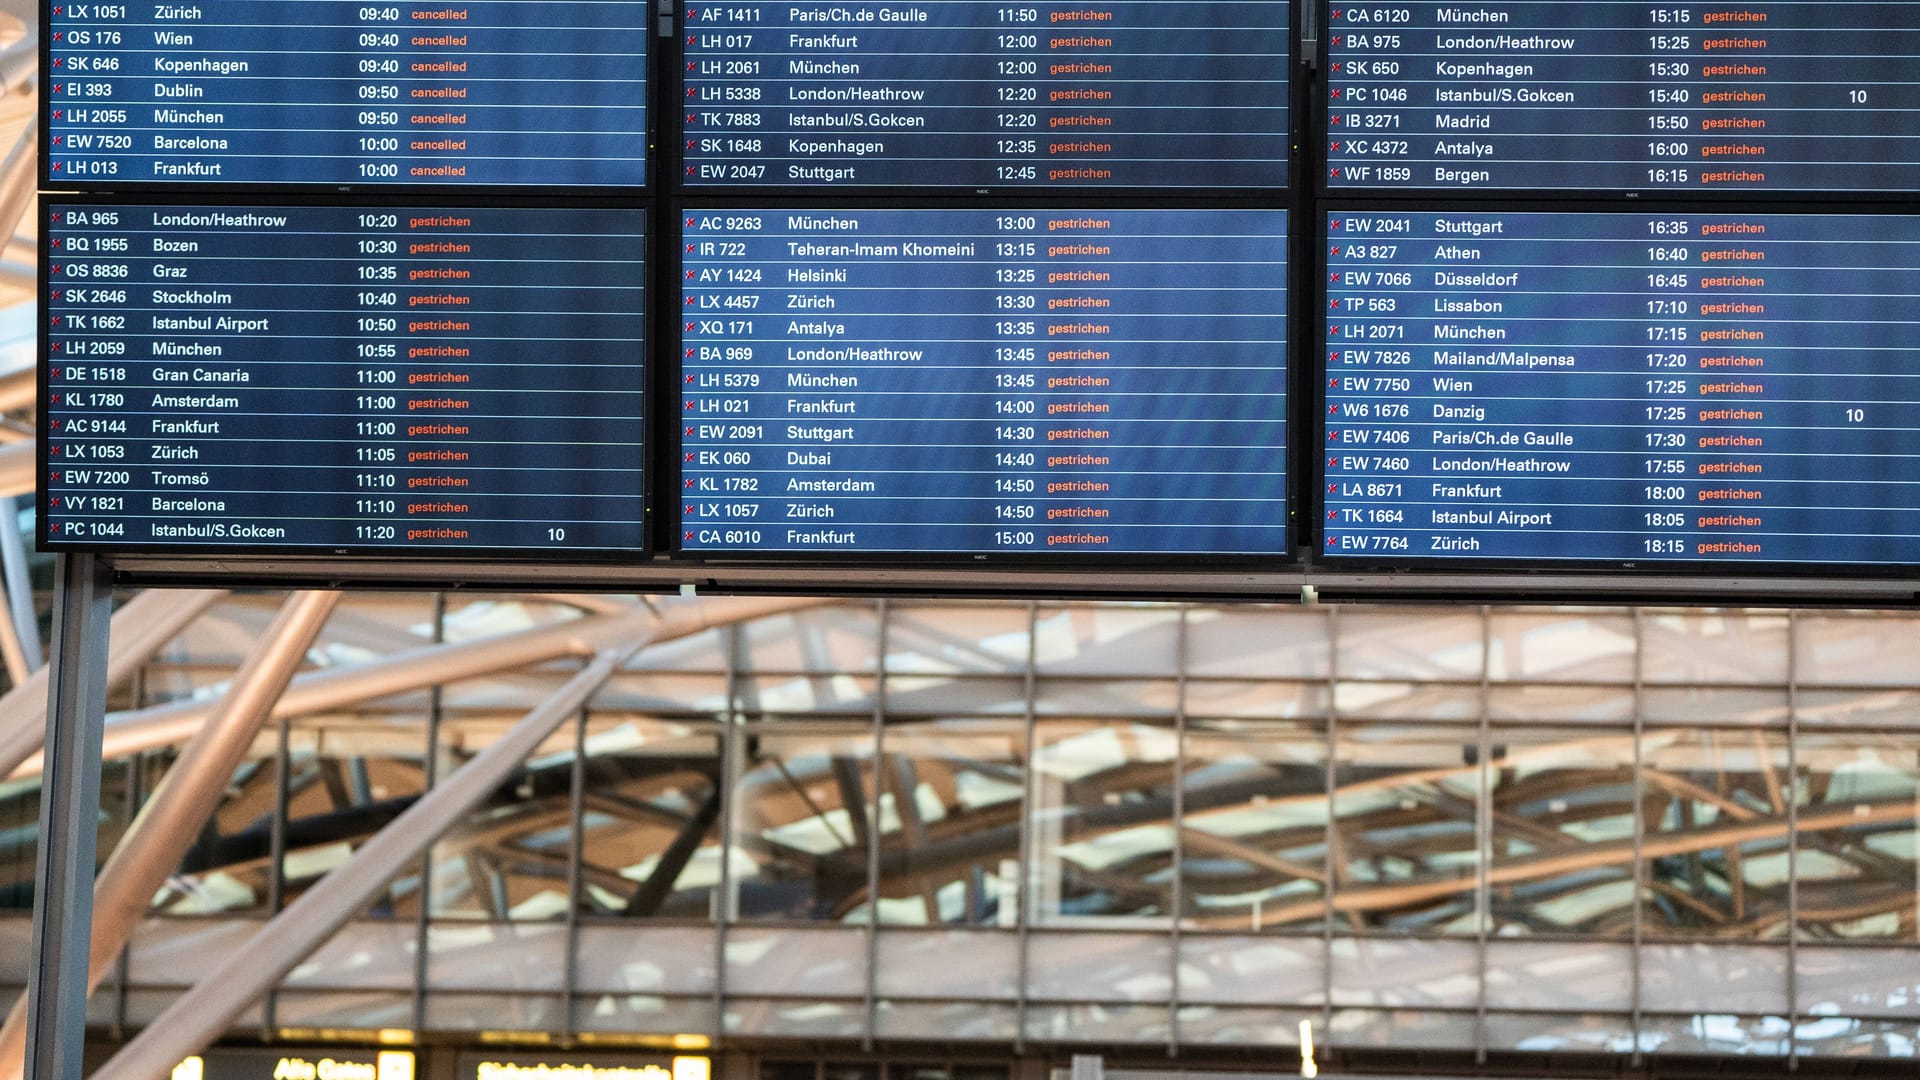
<point>979,381</point>
<point>1736,389</point>
<point>401,379</point>
<point>1684,97</point>
<point>347,92</point>
<point>971,93</point>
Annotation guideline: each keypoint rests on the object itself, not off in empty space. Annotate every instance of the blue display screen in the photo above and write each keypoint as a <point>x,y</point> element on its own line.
<point>1017,380</point>
<point>964,93</point>
<point>408,379</point>
<point>347,92</point>
<point>1566,95</point>
<point>1622,387</point>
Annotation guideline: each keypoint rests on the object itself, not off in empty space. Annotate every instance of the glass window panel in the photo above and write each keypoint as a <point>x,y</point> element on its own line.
<point>946,1021</point>
<point>170,952</point>
<point>508,858</point>
<point>1067,966</point>
<point>1239,970</point>
<point>1405,972</point>
<point>494,1012</point>
<point>707,651</point>
<point>143,1007</point>
<point>640,1014</point>
<point>645,958</point>
<point>952,791</point>
<point>1569,976</point>
<point>934,695</point>
<point>829,962</point>
<point>663,693</point>
<point>1107,1023</point>
<point>806,693</point>
<point>1562,832</point>
<point>1694,647</point>
<point>801,817</point>
<point>1254,830</point>
<point>1407,701</point>
<point>1107,697</point>
<point>1716,1033</point>
<point>228,869</point>
<point>1585,1033</point>
<point>1233,698</point>
<point>650,820</point>
<point>1102,838</point>
<point>1405,812</point>
<point>1561,646</point>
<point>796,1019</point>
<point>1690,978</point>
<point>369,1011</point>
<point>948,964</point>
<point>1401,1029</point>
<point>1855,650</point>
<point>1716,823</point>
<point>1424,645</point>
<point>1107,639</point>
<point>1225,1026</point>
<point>955,638</point>
<point>346,780</point>
<point>504,956</point>
<point>1563,704</point>
<point>1858,982</point>
<point>1685,706</point>
<point>1859,801</point>
<point>375,954</point>
<point>826,640</point>
<point>1264,642</point>
<point>1850,1037</point>
<point>1871,707</point>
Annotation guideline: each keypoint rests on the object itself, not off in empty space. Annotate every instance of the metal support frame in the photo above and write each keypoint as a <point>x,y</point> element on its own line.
<point>140,627</point>
<point>202,1013</point>
<point>884,614</point>
<point>166,826</point>
<point>1483,838</point>
<point>1029,878</point>
<point>1639,823</point>
<point>56,1002</point>
<point>1792,799</point>
<point>1177,849</point>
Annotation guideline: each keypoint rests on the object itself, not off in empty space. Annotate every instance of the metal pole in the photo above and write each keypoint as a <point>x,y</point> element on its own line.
<point>69,817</point>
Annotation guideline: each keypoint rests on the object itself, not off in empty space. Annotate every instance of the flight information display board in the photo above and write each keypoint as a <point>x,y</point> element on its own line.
<point>402,379</point>
<point>979,381</point>
<point>433,93</point>
<point>1622,387</point>
<point>1684,96</point>
<point>1040,94</point>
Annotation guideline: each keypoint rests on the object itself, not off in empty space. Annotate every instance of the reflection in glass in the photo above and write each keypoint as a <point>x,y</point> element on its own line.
<point>950,801</point>
<point>507,859</point>
<point>1405,815</point>
<point>346,781</point>
<point>1562,830</point>
<point>1103,822</point>
<point>1858,798</point>
<point>801,817</point>
<point>1716,844</point>
<point>1254,827</point>
<point>650,820</point>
